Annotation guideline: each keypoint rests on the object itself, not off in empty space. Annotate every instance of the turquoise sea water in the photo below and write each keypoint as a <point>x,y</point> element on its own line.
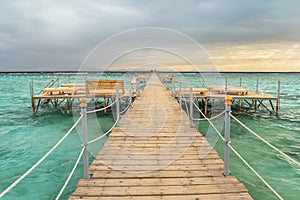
<point>25,138</point>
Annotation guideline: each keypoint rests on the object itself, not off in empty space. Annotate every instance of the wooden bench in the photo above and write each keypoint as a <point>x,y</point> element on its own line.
<point>230,90</point>
<point>59,91</point>
<point>79,88</point>
<point>104,88</point>
<point>197,92</point>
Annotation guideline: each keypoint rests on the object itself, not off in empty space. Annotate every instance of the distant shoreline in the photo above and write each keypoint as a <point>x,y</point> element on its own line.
<point>142,71</point>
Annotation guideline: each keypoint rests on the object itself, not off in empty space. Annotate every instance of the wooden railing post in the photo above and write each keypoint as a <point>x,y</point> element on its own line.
<point>85,157</point>
<point>228,102</point>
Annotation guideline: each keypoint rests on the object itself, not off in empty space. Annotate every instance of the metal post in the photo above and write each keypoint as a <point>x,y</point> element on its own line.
<point>52,84</point>
<point>257,84</point>
<point>278,98</point>
<point>180,94</point>
<point>173,84</point>
<point>240,101</point>
<point>228,102</point>
<point>83,106</point>
<point>226,86</point>
<point>191,107</point>
<point>255,101</point>
<point>137,87</point>
<point>58,79</point>
<point>241,79</point>
<point>117,106</point>
<point>130,93</point>
<point>31,88</point>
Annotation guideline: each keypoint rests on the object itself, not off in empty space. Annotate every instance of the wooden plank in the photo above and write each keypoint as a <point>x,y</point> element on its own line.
<point>230,196</point>
<point>157,181</point>
<point>165,190</point>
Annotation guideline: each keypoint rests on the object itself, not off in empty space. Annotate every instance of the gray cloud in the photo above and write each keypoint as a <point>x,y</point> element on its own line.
<point>37,35</point>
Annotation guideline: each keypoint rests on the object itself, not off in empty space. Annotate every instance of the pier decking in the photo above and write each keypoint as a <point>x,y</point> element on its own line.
<point>155,154</point>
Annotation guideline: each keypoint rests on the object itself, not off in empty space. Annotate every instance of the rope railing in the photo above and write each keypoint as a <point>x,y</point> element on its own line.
<point>256,173</point>
<point>212,118</point>
<point>125,109</point>
<point>243,160</point>
<point>107,132</point>
<point>266,142</point>
<point>70,175</point>
<point>104,108</point>
<point>49,84</point>
<point>84,145</point>
<point>41,160</point>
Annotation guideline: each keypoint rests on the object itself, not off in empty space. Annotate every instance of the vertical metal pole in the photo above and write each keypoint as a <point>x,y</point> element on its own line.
<point>84,138</point>
<point>226,86</point>
<point>173,85</point>
<point>137,93</point>
<point>52,84</point>
<point>241,79</point>
<point>257,84</point>
<point>228,102</point>
<point>191,107</point>
<point>278,98</point>
<point>240,101</point>
<point>32,88</point>
<point>255,101</point>
<point>180,94</point>
<point>117,106</point>
<point>58,79</point>
<point>130,94</point>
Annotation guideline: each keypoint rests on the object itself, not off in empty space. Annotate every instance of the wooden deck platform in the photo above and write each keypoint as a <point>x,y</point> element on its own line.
<point>155,154</point>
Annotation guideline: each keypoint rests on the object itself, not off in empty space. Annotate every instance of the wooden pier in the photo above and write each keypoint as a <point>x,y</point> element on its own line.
<point>155,154</point>
<point>69,93</point>
<point>246,99</point>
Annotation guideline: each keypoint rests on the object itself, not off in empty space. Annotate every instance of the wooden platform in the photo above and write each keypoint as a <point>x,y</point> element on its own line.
<point>154,154</point>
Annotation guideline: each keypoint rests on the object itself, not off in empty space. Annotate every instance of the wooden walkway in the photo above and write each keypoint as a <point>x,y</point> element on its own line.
<point>154,154</point>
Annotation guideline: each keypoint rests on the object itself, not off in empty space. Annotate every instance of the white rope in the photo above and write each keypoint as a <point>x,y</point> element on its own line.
<point>257,174</point>
<point>187,110</point>
<point>101,109</point>
<point>266,142</point>
<point>125,109</point>
<point>212,118</point>
<point>209,121</point>
<point>71,174</point>
<point>244,161</point>
<point>41,160</point>
<point>98,138</point>
<point>125,94</point>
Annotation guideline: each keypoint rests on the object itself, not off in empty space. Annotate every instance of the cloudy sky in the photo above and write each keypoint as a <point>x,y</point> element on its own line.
<point>237,35</point>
